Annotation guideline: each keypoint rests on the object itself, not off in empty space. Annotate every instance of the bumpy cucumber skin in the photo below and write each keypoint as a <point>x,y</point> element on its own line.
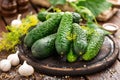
<point>44,29</point>
<point>42,16</point>
<point>62,42</point>
<point>76,17</point>
<point>94,46</point>
<point>80,41</point>
<point>44,47</point>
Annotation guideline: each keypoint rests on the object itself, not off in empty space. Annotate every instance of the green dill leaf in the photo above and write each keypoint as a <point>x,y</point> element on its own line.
<point>12,38</point>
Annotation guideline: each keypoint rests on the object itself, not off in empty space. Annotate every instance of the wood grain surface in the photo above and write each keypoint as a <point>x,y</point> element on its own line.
<point>2,26</point>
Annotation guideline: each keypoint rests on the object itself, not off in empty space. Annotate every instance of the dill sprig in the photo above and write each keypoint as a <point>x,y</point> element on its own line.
<point>12,38</point>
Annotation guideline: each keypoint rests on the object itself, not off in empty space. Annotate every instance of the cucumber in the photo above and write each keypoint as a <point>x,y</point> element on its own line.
<point>44,29</point>
<point>80,41</point>
<point>42,16</point>
<point>71,56</point>
<point>94,46</point>
<point>44,47</point>
<point>62,43</point>
<point>76,17</point>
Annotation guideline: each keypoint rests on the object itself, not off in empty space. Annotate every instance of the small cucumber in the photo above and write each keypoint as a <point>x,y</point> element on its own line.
<point>71,56</point>
<point>62,42</point>
<point>44,29</point>
<point>42,16</point>
<point>94,46</point>
<point>44,47</point>
<point>80,41</point>
<point>76,17</point>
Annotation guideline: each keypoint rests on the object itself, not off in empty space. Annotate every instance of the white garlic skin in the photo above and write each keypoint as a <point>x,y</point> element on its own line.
<point>14,59</point>
<point>5,65</point>
<point>25,69</point>
<point>17,22</point>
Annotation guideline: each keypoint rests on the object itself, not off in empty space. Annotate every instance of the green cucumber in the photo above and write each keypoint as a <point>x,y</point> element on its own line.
<point>76,17</point>
<point>42,16</point>
<point>44,29</point>
<point>94,46</point>
<point>80,41</point>
<point>63,42</point>
<point>71,56</point>
<point>44,47</point>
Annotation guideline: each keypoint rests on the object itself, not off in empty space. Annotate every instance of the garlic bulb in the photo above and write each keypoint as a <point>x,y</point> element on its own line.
<point>14,59</point>
<point>25,69</point>
<point>5,65</point>
<point>17,22</point>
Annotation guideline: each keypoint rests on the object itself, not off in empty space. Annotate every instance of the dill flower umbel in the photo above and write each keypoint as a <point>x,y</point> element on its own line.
<point>11,39</point>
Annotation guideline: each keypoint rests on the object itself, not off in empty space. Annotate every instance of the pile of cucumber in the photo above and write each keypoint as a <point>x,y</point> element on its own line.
<point>61,32</point>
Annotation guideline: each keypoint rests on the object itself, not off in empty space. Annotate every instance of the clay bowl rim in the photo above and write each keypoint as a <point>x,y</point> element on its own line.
<point>110,24</point>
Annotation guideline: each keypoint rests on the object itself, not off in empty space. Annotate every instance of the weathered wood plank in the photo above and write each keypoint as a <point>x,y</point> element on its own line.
<point>113,73</point>
<point>2,26</point>
<point>34,6</point>
<point>24,14</point>
<point>117,36</point>
<point>114,19</point>
<point>0,7</point>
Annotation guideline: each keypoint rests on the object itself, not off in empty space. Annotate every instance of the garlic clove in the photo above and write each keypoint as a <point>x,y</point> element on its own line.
<point>14,59</point>
<point>17,22</point>
<point>25,69</point>
<point>5,65</point>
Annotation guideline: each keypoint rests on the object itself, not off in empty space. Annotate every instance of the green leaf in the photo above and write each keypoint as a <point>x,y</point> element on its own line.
<point>84,12</point>
<point>95,6</point>
<point>56,2</point>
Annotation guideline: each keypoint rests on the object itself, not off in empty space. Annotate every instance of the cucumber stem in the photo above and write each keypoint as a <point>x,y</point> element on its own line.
<point>50,8</point>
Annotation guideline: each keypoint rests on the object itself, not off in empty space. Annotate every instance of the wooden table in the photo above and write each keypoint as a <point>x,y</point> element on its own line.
<point>112,73</point>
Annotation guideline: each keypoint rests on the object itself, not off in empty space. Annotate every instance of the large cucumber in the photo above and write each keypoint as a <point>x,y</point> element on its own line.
<point>44,29</point>
<point>62,42</point>
<point>42,16</point>
<point>80,41</point>
<point>44,47</point>
<point>94,46</point>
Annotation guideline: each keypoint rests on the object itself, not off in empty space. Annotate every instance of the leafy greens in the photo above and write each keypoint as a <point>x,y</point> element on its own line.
<point>95,6</point>
<point>89,9</point>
